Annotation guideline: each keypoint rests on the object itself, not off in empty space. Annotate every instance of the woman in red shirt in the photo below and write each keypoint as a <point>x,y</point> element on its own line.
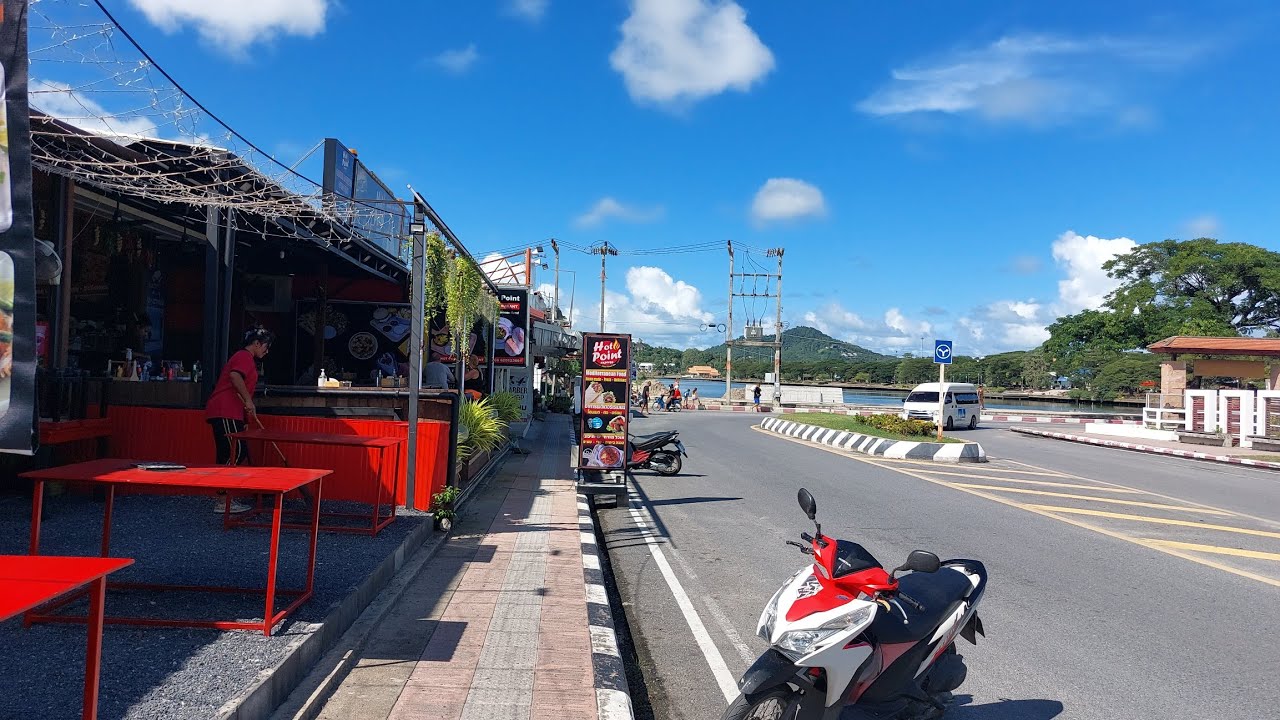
<point>231,404</point>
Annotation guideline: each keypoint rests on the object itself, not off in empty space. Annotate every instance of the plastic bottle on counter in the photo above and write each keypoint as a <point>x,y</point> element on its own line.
<point>323,379</point>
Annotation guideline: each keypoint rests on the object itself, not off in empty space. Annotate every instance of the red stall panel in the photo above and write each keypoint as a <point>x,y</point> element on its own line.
<point>183,436</point>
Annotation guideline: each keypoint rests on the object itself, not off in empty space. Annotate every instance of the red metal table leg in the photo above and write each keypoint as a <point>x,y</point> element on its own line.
<point>37,503</point>
<point>377,501</point>
<point>269,615</point>
<point>93,648</point>
<point>315,537</point>
<point>106,521</point>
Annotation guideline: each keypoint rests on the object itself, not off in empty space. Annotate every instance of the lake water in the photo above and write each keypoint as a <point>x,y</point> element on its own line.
<point>894,398</point>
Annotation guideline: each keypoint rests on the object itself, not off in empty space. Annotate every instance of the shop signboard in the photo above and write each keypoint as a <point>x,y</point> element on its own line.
<point>374,212</point>
<point>511,335</point>
<point>606,393</point>
<point>17,239</point>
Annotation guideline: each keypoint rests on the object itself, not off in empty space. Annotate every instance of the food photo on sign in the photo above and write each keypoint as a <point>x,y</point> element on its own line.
<point>510,333</point>
<point>605,390</point>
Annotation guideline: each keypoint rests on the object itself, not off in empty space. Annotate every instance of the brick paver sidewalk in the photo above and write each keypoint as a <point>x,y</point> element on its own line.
<point>496,626</point>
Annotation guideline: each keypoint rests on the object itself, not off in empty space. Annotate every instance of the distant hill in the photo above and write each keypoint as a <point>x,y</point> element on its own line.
<point>799,344</point>
<point>807,344</point>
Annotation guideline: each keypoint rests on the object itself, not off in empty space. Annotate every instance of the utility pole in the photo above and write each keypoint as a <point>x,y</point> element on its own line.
<point>753,331</point>
<point>777,334</point>
<point>555,302</point>
<point>728,335</point>
<point>604,250</point>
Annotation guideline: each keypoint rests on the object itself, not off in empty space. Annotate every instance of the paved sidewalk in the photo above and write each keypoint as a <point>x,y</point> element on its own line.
<point>496,626</point>
<point>1229,455</point>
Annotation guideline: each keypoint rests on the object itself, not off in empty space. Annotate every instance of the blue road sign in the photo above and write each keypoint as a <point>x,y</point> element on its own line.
<point>942,352</point>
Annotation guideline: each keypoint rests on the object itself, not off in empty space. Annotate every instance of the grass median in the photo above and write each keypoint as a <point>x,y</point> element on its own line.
<point>854,423</point>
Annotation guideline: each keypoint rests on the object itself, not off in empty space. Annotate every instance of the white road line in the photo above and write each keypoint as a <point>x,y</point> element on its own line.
<point>719,669</point>
<point>721,618</point>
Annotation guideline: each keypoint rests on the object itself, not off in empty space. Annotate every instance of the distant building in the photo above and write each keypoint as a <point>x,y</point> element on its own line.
<point>704,371</point>
<point>645,367</point>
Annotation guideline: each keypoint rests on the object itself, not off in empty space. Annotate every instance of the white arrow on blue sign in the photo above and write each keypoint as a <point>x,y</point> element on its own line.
<point>942,352</point>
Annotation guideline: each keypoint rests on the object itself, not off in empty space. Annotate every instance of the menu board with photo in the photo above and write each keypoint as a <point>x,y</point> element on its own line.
<point>511,334</point>
<point>17,239</point>
<point>606,392</point>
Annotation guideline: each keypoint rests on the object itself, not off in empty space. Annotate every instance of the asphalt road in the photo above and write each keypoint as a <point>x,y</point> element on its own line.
<point>1122,585</point>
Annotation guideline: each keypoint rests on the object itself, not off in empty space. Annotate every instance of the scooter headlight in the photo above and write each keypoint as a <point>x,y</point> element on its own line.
<point>770,616</point>
<point>798,643</point>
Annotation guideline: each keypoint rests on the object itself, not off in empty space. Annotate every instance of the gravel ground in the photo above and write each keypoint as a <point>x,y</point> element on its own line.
<point>163,672</point>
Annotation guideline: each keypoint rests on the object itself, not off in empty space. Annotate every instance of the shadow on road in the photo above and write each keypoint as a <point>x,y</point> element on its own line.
<point>692,500</point>
<point>1004,709</point>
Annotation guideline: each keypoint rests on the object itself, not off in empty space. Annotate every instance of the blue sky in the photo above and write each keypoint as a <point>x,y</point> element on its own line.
<point>942,169</point>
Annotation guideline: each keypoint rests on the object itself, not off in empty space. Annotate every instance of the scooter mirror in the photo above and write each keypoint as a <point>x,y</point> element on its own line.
<point>807,503</point>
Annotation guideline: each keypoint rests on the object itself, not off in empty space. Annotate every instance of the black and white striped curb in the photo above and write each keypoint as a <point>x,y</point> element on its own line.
<point>870,445</point>
<point>1153,449</point>
<point>612,696</point>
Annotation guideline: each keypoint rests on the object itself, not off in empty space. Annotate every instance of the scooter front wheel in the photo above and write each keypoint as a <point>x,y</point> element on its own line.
<point>771,705</point>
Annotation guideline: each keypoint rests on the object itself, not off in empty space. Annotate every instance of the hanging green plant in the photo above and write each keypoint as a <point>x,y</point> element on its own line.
<point>463,293</point>
<point>438,267</point>
<point>490,308</point>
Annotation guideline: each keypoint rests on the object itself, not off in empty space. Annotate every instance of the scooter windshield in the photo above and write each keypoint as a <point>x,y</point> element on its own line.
<point>852,557</point>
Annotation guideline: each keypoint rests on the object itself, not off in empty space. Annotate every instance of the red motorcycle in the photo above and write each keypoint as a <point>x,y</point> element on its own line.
<point>660,452</point>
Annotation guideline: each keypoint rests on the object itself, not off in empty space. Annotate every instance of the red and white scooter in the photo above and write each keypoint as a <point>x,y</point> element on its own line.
<point>851,641</point>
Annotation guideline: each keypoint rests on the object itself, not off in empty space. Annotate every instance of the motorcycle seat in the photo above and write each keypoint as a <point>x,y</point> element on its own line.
<point>937,593</point>
<point>645,442</point>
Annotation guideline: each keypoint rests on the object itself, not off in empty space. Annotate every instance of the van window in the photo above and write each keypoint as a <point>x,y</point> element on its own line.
<point>967,398</point>
<point>922,397</point>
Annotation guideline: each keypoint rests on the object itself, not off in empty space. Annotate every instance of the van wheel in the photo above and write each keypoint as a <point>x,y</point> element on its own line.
<point>951,425</point>
<point>973,423</point>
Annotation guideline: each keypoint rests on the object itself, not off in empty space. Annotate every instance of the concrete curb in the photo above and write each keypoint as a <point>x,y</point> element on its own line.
<point>276,684</point>
<point>870,445</point>
<point>1150,449</point>
<point>613,700</point>
<point>986,417</point>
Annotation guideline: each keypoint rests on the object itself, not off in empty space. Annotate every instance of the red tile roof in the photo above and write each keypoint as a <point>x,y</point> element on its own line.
<point>1183,345</point>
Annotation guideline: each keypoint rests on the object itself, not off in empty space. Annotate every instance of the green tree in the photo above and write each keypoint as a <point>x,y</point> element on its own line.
<point>1035,371</point>
<point>1124,375</point>
<point>1003,370</point>
<point>1212,283</point>
<point>913,371</point>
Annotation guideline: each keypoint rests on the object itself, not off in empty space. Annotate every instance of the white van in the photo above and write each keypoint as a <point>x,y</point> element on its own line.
<point>961,405</point>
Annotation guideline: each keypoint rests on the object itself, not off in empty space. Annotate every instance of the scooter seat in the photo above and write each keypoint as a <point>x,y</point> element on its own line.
<point>937,593</point>
<point>645,442</point>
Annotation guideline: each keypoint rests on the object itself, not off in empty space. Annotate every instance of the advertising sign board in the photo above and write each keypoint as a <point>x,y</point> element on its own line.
<point>511,334</point>
<point>17,239</point>
<point>606,393</point>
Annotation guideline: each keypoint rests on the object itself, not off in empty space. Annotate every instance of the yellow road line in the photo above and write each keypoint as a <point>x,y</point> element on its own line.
<point>1217,549</point>
<point>1010,503</point>
<point>1265,521</point>
<point>1069,496</point>
<point>1158,521</point>
<point>1034,482</point>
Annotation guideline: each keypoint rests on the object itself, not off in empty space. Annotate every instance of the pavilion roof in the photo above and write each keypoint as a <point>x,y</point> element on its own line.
<point>1185,345</point>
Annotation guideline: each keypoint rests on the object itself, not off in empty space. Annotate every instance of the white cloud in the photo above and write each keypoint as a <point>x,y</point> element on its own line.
<point>895,331</point>
<point>531,10</point>
<point>787,199</point>
<point>608,207</point>
<point>459,60</point>
<point>1025,265</point>
<point>657,308</point>
<point>680,51</point>
<point>234,25</point>
<point>1203,226</point>
<point>1081,257</point>
<point>1037,79</point>
<point>61,101</point>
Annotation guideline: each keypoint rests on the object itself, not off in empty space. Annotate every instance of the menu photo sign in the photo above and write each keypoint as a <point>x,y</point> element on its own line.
<point>606,392</point>
<point>17,239</point>
<point>511,332</point>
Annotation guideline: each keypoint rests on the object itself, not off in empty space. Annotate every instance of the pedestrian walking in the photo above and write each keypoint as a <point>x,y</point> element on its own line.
<point>756,396</point>
<point>644,397</point>
<point>231,404</point>
<point>692,401</point>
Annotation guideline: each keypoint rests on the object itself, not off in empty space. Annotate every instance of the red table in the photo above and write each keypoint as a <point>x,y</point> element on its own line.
<point>234,480</point>
<point>28,582</point>
<point>381,444</point>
